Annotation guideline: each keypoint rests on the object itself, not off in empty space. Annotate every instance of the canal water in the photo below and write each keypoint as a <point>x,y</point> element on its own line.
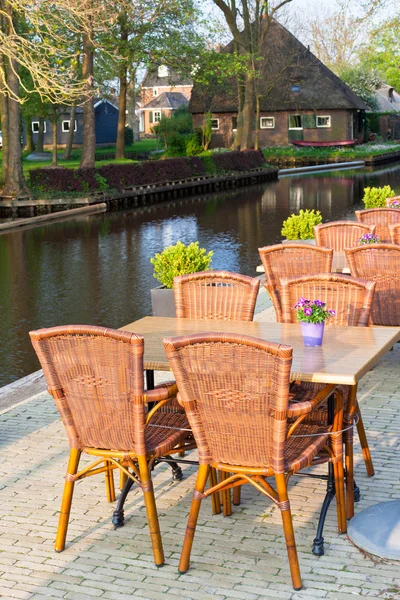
<point>96,269</point>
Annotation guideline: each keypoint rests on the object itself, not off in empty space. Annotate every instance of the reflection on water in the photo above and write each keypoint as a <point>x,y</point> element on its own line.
<point>96,269</point>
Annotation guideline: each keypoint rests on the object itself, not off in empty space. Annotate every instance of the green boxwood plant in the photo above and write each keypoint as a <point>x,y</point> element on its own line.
<point>375,197</point>
<point>179,259</point>
<point>301,226</point>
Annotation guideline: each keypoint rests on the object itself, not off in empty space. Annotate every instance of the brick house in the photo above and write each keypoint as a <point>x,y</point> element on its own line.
<point>299,98</point>
<point>161,92</point>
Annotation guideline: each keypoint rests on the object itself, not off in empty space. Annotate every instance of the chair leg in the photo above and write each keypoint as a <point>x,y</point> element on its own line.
<point>288,531</point>
<point>236,495</point>
<point>72,469</point>
<point>151,510</point>
<point>340,499</point>
<point>226,497</point>
<point>349,464</point>
<point>215,498</point>
<point>364,444</point>
<point>192,520</point>
<point>122,479</point>
<point>109,475</point>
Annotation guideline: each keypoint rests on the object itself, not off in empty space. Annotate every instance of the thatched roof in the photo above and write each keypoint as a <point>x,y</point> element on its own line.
<point>291,78</point>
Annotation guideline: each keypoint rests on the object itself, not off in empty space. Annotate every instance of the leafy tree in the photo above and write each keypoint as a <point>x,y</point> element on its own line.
<point>174,130</point>
<point>363,82</point>
<point>383,52</point>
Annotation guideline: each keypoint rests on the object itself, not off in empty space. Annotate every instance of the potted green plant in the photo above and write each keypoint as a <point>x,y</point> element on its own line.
<point>375,197</point>
<point>175,260</point>
<point>301,227</point>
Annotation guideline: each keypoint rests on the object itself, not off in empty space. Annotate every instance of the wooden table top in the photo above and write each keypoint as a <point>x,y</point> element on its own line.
<point>347,353</point>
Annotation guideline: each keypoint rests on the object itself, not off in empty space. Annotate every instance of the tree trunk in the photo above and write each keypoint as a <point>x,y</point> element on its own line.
<point>54,124</point>
<point>257,136</point>
<point>40,139</point>
<point>89,132</point>
<point>4,119</point>
<point>70,139</point>
<point>123,86</point>
<point>120,146</point>
<point>30,145</point>
<point>248,113</point>
<point>15,186</point>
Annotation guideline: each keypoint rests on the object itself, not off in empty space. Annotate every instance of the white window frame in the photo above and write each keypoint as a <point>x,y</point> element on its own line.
<point>67,130</point>
<point>324,117</point>
<point>267,126</point>
<point>155,119</point>
<point>38,124</point>
<point>155,92</point>
<point>212,126</point>
<point>296,128</point>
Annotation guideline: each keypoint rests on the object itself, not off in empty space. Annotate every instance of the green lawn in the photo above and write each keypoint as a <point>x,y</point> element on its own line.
<point>146,145</point>
<point>369,149</point>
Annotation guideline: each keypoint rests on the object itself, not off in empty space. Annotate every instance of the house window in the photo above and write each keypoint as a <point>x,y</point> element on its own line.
<point>155,92</point>
<point>295,122</point>
<point>267,123</point>
<point>65,126</point>
<point>324,121</point>
<point>234,123</point>
<point>156,116</point>
<point>35,126</point>
<point>214,123</point>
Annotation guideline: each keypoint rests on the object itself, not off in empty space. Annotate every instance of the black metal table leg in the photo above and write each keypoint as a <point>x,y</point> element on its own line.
<point>118,514</point>
<point>318,543</point>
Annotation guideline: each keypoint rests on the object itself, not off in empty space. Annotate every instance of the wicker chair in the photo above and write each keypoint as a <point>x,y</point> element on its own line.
<point>235,391</point>
<point>216,295</point>
<point>382,218</point>
<point>290,260</point>
<point>394,229</point>
<point>351,298</point>
<point>95,376</point>
<point>340,234</point>
<point>379,263</point>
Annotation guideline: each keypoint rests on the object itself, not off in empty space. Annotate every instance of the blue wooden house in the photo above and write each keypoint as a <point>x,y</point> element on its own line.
<point>106,122</point>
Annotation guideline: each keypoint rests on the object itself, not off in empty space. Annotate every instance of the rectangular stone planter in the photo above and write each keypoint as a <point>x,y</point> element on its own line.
<point>162,302</point>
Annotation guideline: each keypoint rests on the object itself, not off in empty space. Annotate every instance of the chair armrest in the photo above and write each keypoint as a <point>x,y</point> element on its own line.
<point>163,391</point>
<point>303,408</point>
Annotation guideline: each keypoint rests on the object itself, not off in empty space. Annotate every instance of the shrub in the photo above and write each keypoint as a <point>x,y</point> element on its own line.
<point>376,197</point>
<point>193,145</point>
<point>120,176</point>
<point>239,161</point>
<point>180,260</point>
<point>301,226</point>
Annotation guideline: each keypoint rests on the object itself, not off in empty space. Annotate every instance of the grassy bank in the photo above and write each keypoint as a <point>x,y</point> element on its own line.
<point>357,152</point>
<point>141,147</point>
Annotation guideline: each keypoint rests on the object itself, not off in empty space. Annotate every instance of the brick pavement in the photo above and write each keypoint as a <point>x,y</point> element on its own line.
<point>240,557</point>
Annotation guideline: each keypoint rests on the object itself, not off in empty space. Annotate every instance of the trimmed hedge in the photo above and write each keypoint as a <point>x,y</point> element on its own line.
<point>114,176</point>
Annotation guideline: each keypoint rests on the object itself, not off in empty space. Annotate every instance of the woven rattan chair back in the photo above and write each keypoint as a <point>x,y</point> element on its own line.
<point>340,234</point>
<point>216,295</point>
<point>235,391</point>
<point>395,233</point>
<point>349,297</point>
<point>379,263</point>
<point>291,260</point>
<point>95,375</point>
<point>381,218</point>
